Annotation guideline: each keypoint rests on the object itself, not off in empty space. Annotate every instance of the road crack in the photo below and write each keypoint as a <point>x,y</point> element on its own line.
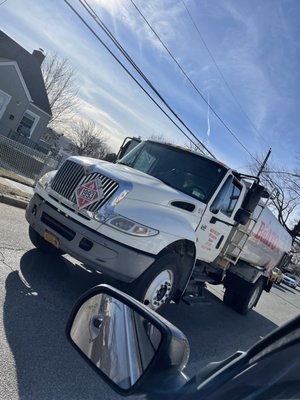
<point>12,248</point>
<point>2,260</point>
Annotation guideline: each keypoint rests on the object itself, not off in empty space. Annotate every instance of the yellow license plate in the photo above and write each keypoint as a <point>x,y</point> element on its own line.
<point>51,239</point>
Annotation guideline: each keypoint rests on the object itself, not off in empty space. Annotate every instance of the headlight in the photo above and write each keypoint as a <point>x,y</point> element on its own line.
<point>132,228</point>
<point>46,179</point>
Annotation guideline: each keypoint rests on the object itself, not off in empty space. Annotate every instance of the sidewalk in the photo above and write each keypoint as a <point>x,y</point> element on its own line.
<point>16,185</point>
<point>14,193</point>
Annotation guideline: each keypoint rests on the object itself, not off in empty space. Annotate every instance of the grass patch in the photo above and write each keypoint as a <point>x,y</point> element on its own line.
<point>4,173</point>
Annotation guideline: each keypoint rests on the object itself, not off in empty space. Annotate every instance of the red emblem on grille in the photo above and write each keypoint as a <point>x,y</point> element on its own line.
<point>88,193</point>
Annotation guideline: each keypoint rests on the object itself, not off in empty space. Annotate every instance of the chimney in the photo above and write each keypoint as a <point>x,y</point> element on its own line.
<point>38,55</point>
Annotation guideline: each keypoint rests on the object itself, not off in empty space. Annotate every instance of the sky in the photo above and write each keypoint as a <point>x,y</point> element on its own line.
<point>255,45</point>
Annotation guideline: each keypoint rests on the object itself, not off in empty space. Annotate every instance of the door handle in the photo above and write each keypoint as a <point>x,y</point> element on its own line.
<point>213,220</point>
<point>219,242</point>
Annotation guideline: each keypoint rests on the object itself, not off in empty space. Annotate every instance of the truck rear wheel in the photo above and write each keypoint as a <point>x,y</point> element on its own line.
<point>157,285</point>
<point>243,302</point>
<point>229,298</point>
<point>42,245</point>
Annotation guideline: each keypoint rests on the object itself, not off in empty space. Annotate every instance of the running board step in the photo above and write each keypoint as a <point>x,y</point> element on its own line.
<point>200,277</point>
<point>192,300</point>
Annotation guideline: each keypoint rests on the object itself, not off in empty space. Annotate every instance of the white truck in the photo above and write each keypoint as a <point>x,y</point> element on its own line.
<point>162,221</point>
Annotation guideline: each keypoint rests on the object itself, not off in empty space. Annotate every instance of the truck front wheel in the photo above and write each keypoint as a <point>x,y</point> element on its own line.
<point>42,245</point>
<point>157,285</point>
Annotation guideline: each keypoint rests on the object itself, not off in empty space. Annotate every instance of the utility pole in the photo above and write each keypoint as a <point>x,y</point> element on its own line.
<point>264,162</point>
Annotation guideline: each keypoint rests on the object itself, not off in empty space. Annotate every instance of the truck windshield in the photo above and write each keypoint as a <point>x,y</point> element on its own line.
<point>185,171</point>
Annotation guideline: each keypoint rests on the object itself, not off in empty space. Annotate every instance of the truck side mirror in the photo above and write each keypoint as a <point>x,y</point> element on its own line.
<point>127,145</point>
<point>130,346</point>
<point>242,216</point>
<point>252,197</point>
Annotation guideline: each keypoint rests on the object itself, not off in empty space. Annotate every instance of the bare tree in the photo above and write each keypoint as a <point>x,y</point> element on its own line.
<point>61,87</point>
<point>287,203</point>
<point>159,137</point>
<point>89,139</point>
<point>195,147</point>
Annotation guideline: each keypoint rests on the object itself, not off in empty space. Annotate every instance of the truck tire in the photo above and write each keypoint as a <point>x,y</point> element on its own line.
<point>157,285</point>
<point>269,285</point>
<point>42,245</point>
<point>243,302</point>
<point>229,298</point>
<point>246,301</point>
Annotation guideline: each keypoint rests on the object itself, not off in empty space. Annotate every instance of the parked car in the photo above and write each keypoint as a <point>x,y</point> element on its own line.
<point>276,276</point>
<point>138,352</point>
<point>290,280</point>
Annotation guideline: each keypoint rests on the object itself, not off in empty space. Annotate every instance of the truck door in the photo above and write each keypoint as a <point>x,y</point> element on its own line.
<point>216,223</point>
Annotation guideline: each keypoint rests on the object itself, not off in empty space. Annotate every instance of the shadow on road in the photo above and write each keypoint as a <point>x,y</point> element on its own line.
<point>284,289</point>
<point>37,304</point>
<point>215,331</point>
<point>39,300</point>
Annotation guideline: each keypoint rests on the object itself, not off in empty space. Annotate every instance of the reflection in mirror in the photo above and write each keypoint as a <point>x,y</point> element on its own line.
<point>117,340</point>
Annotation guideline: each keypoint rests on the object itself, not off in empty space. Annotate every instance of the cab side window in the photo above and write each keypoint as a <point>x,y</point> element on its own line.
<point>227,197</point>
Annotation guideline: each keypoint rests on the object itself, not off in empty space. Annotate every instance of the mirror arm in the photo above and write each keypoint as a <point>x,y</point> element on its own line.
<point>213,220</point>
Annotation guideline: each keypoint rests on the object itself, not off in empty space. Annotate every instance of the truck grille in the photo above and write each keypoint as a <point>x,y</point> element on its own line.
<point>71,175</point>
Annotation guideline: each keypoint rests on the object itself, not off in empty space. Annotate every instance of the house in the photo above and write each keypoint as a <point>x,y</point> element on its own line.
<point>57,141</point>
<point>24,106</point>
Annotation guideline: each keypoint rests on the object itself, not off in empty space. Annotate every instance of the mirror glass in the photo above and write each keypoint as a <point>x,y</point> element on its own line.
<point>118,341</point>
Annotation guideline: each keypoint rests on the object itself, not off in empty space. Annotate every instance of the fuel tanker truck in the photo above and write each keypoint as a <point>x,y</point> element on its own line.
<point>162,222</point>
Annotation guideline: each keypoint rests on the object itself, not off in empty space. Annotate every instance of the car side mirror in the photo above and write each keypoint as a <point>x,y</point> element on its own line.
<point>242,216</point>
<point>130,346</point>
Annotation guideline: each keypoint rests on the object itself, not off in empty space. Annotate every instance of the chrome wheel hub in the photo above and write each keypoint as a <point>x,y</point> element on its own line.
<point>159,290</point>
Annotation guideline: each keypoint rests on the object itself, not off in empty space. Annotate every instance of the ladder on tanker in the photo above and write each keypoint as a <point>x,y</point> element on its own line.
<point>239,237</point>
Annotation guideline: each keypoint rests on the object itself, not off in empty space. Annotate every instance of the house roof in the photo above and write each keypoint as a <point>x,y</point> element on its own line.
<point>29,66</point>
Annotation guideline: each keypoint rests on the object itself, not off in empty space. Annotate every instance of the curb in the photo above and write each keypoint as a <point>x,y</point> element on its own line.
<point>13,201</point>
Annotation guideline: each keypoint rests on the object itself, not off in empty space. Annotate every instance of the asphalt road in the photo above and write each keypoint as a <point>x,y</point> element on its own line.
<point>37,293</point>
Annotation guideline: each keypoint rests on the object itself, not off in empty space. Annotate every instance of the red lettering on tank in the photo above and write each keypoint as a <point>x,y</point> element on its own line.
<point>267,236</point>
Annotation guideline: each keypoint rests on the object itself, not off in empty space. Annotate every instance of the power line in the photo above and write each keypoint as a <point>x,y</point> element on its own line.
<point>130,74</point>
<point>220,72</point>
<point>105,29</point>
<point>282,173</point>
<point>229,88</point>
<point>98,20</point>
<point>4,1</point>
<point>191,82</point>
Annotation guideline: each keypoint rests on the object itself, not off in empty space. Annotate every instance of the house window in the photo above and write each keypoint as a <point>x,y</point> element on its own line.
<point>4,100</point>
<point>28,124</point>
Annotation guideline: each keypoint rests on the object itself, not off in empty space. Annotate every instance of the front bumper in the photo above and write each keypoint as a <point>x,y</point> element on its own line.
<point>86,245</point>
